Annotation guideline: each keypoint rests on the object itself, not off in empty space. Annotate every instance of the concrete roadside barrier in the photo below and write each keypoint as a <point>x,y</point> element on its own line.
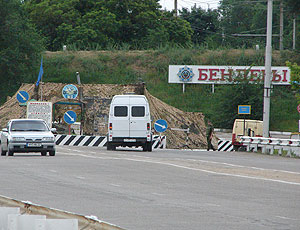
<point>84,222</point>
<point>56,224</point>
<point>4,212</point>
<point>23,222</point>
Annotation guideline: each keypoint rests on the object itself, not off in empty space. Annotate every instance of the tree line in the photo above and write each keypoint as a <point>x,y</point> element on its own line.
<point>29,27</point>
<point>135,24</point>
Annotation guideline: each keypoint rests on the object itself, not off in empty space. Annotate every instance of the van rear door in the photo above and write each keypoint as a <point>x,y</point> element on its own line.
<point>121,120</point>
<point>139,112</point>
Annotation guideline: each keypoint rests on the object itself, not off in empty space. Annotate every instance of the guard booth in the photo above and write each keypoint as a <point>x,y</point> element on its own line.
<point>244,127</point>
<point>59,109</point>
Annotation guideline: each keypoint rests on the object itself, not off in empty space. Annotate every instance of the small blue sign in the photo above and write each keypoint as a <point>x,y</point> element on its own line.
<point>244,109</point>
<point>22,96</point>
<point>70,92</point>
<point>160,125</point>
<point>70,117</point>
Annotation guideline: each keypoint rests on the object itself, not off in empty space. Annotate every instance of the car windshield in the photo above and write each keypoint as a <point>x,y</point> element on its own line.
<point>29,126</point>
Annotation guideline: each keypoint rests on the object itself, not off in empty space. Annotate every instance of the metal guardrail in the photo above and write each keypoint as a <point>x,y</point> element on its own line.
<point>268,145</point>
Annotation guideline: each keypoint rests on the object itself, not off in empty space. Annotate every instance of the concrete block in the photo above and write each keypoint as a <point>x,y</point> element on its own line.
<point>57,224</point>
<point>4,212</point>
<point>23,222</point>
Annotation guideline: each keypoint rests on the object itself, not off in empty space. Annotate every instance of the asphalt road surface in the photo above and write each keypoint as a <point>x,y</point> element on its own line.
<point>164,189</point>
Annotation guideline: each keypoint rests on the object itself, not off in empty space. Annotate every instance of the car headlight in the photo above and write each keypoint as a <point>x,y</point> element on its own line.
<point>48,138</point>
<point>18,138</point>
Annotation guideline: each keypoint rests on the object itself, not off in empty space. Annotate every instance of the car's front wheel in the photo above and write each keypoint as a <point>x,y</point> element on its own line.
<point>52,153</point>
<point>44,153</point>
<point>3,153</point>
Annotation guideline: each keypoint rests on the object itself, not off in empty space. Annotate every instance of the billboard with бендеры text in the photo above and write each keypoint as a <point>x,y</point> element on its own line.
<point>195,74</point>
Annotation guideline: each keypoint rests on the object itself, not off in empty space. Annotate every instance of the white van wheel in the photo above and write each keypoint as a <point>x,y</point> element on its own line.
<point>110,146</point>
<point>145,147</point>
<point>149,146</point>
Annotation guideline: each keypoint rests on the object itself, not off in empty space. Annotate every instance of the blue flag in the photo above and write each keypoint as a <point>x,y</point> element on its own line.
<point>40,73</point>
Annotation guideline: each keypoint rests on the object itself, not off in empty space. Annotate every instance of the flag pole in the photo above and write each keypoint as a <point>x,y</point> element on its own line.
<point>39,80</point>
<point>42,88</point>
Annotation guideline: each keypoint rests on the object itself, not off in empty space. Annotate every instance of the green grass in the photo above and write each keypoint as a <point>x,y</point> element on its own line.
<point>120,66</point>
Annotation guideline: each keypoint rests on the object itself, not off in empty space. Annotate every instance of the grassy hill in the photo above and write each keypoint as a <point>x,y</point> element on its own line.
<point>151,67</point>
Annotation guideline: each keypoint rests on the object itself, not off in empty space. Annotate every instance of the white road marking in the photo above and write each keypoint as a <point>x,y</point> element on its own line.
<point>286,218</point>
<point>75,150</point>
<point>180,166</point>
<point>80,177</point>
<point>158,194</point>
<point>242,166</point>
<point>212,205</point>
<point>115,185</point>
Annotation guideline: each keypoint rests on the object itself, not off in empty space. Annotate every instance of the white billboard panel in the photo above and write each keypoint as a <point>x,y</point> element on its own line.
<point>40,110</point>
<point>226,74</point>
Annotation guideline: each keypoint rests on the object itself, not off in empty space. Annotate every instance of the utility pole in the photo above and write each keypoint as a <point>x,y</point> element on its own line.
<point>281,27</point>
<point>268,72</point>
<point>175,8</point>
<point>294,32</point>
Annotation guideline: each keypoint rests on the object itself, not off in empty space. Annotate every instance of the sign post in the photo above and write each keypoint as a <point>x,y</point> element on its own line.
<point>298,109</point>
<point>70,118</point>
<point>22,96</point>
<point>244,109</point>
<point>70,92</point>
<point>160,126</point>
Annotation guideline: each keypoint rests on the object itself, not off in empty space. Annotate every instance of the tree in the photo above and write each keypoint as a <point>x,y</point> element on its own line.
<point>238,17</point>
<point>229,97</point>
<point>20,47</point>
<point>179,31</point>
<point>101,23</point>
<point>204,23</point>
<point>293,6</point>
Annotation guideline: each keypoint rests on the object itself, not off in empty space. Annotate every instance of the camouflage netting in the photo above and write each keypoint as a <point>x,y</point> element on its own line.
<point>93,112</point>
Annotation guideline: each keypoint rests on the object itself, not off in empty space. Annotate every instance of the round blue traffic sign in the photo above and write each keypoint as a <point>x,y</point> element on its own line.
<point>70,92</point>
<point>160,125</point>
<point>70,117</point>
<point>22,96</point>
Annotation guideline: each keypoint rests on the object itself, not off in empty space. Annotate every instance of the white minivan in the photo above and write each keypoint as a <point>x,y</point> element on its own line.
<point>129,122</point>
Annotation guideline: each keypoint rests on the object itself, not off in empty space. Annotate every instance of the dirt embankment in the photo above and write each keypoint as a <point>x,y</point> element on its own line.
<point>94,111</point>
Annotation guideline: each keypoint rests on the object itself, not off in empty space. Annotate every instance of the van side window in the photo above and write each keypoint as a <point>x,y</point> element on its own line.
<point>120,111</point>
<point>138,111</point>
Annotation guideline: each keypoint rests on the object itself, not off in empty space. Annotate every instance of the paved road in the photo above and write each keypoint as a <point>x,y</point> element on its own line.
<point>165,189</point>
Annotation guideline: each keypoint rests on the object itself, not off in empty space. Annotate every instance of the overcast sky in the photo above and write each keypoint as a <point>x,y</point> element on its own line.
<point>204,4</point>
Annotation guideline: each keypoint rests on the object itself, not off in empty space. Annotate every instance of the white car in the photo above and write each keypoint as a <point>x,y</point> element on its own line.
<point>27,135</point>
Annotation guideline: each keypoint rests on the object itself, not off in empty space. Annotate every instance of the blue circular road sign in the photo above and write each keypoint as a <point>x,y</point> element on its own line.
<point>22,96</point>
<point>160,125</point>
<point>70,117</point>
<point>70,92</point>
